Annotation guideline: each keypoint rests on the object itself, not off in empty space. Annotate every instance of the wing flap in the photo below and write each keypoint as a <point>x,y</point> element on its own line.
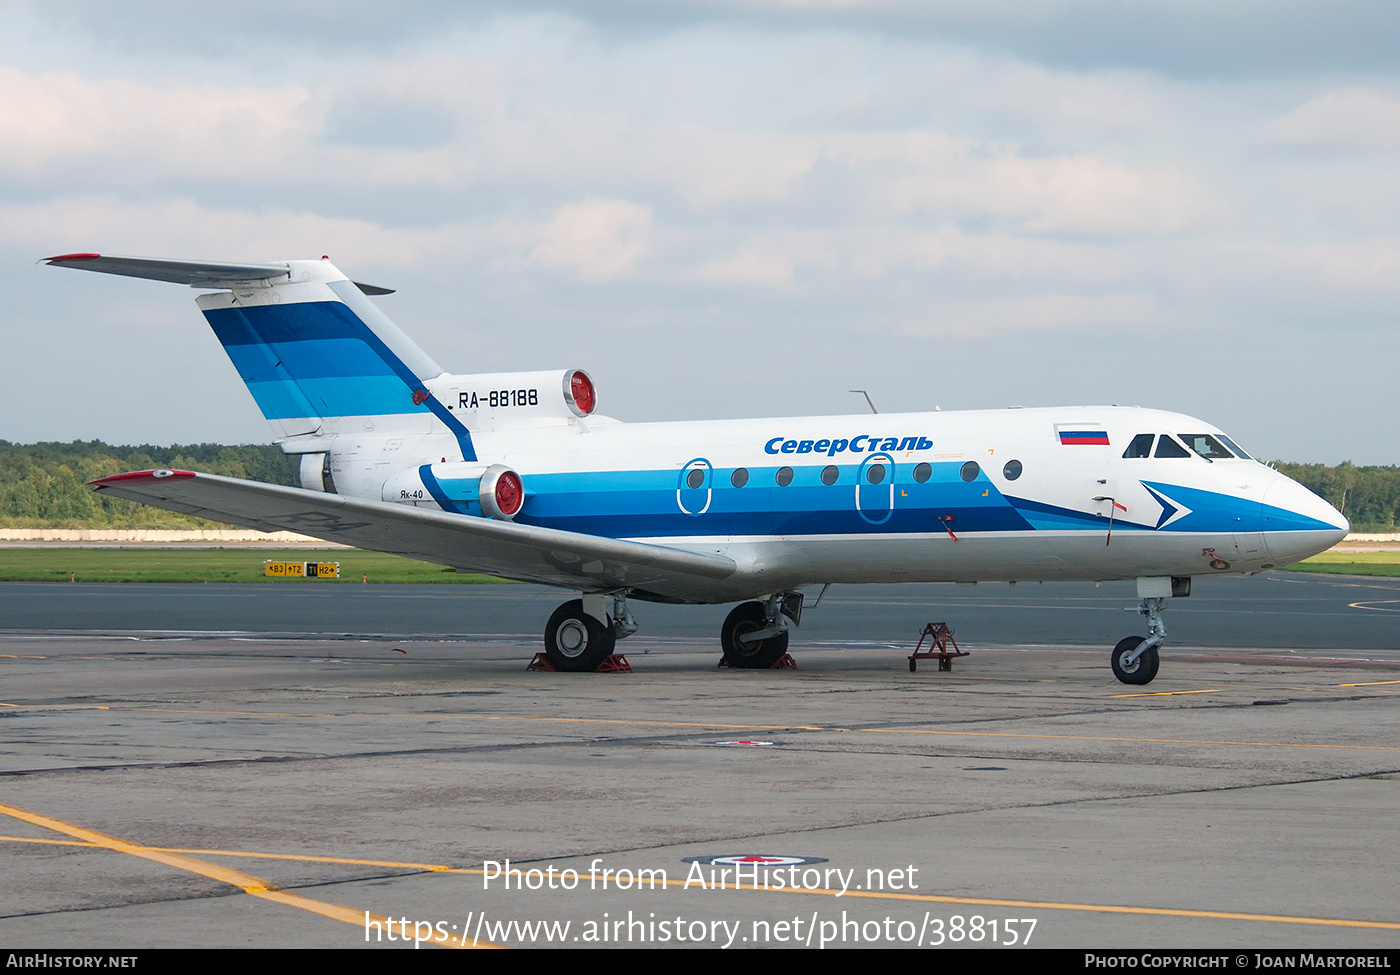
<point>524,552</point>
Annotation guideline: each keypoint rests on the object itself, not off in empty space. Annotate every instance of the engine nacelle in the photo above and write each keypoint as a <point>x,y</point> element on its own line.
<point>492,490</point>
<point>515,400</point>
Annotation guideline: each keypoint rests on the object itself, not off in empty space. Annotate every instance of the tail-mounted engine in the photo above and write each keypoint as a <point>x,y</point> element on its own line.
<point>516,400</point>
<point>492,490</point>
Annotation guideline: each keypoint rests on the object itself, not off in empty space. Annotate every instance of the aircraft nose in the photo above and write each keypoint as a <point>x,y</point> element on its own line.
<point>1298,523</point>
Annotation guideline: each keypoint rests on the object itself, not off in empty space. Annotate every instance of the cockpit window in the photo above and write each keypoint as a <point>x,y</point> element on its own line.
<point>1235,447</point>
<point>1140,447</point>
<point>1167,447</point>
<point>1207,446</point>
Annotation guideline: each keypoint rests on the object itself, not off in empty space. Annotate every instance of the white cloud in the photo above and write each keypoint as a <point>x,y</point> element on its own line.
<point>1362,118</point>
<point>194,130</point>
<point>596,240</point>
<point>934,173</point>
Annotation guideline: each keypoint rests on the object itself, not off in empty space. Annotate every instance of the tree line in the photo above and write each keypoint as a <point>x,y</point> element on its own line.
<point>1368,496</point>
<point>43,485</point>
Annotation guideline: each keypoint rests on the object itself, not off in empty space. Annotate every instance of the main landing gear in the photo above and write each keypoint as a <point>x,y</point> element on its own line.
<point>755,634</point>
<point>574,640</point>
<point>1135,658</point>
<point>582,634</point>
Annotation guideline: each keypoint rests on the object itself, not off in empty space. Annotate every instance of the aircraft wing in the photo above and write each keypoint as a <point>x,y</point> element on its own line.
<point>525,552</point>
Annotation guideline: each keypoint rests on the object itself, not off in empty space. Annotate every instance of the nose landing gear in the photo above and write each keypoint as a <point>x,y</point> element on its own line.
<point>1135,659</point>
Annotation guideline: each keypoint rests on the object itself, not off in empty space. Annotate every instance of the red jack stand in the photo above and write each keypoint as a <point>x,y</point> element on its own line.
<point>938,650</point>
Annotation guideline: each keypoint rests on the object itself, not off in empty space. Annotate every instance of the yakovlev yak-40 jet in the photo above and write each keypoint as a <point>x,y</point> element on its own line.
<point>515,474</point>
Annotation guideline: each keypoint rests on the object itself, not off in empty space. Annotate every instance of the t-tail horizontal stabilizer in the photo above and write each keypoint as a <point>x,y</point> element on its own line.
<point>196,274</point>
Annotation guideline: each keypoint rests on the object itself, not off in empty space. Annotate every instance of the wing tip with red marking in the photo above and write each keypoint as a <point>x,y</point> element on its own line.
<point>66,258</point>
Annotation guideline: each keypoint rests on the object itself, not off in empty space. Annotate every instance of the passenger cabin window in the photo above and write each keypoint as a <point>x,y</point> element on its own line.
<point>1140,447</point>
<point>1207,446</point>
<point>1167,447</point>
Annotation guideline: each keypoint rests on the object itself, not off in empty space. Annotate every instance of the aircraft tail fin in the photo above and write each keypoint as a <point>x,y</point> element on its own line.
<point>317,356</point>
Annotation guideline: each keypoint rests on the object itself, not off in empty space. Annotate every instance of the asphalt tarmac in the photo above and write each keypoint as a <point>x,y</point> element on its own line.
<point>301,765</point>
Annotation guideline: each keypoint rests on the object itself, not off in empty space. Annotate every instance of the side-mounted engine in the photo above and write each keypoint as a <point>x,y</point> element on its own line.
<point>492,402</point>
<point>493,490</point>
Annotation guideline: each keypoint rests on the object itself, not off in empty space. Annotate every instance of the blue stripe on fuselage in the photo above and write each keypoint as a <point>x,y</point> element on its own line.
<point>644,504</point>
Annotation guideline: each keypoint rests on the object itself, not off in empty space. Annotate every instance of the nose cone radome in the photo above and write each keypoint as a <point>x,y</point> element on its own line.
<point>1299,524</point>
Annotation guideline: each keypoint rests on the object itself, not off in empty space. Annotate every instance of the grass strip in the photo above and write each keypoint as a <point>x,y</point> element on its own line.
<point>1345,563</point>
<point>215,565</point>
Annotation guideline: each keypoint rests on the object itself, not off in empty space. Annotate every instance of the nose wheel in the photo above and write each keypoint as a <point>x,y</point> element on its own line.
<point>1135,658</point>
<point>1134,670</point>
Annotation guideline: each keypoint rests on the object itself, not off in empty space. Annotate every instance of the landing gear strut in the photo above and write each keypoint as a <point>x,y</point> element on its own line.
<point>1135,658</point>
<point>755,634</point>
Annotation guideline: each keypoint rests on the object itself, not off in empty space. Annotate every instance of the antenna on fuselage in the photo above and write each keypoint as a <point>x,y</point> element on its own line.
<point>867,398</point>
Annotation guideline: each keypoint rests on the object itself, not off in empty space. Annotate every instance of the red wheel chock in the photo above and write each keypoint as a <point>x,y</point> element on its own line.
<point>785,662</point>
<point>615,664</point>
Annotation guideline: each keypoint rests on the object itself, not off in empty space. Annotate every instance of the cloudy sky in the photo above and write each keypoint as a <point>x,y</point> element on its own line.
<point>727,209</point>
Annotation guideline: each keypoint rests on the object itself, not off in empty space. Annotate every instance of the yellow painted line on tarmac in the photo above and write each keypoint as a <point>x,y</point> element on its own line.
<point>819,891</point>
<point>1098,908</point>
<point>1370,683</point>
<point>31,839</point>
<point>60,707</point>
<point>246,882</point>
<point>301,857</point>
<point>1208,690</point>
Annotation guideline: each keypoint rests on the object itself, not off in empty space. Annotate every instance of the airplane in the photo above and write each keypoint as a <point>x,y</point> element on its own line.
<point>518,475</point>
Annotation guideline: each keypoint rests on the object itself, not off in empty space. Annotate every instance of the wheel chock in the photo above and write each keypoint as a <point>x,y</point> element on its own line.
<point>941,639</point>
<point>785,662</point>
<point>614,664</point>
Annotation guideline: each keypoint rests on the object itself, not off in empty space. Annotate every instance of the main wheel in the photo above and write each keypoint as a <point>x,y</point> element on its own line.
<point>575,641</point>
<point>751,654</point>
<point>1141,670</point>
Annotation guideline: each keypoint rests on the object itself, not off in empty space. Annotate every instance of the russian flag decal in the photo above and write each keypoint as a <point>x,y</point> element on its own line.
<point>1081,433</point>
